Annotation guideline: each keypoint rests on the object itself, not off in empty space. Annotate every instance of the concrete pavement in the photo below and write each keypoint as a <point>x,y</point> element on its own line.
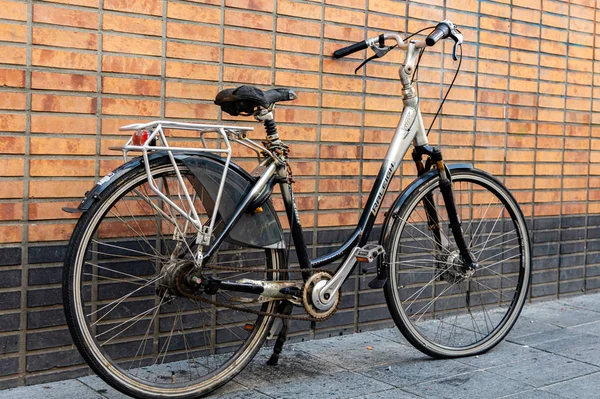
<point>553,352</point>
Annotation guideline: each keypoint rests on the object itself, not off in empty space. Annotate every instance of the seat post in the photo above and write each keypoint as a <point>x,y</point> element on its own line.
<point>266,117</point>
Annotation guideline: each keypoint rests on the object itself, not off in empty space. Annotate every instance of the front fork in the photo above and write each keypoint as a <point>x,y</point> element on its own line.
<point>434,157</point>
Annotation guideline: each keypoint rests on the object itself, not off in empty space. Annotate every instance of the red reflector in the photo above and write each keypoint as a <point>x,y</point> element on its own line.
<point>140,137</point>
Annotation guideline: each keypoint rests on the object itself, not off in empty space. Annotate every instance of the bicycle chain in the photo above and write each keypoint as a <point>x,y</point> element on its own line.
<point>259,312</point>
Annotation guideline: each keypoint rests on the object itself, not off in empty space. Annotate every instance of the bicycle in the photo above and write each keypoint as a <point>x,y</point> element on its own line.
<point>177,267</point>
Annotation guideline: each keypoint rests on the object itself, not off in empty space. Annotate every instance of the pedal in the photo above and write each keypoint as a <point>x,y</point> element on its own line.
<point>369,253</point>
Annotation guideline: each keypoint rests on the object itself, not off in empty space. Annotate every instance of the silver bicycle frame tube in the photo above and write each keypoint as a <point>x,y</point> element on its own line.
<point>410,130</point>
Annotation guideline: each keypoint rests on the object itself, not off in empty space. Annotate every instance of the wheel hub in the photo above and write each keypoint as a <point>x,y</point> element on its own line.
<point>315,305</point>
<point>453,266</point>
<point>174,279</point>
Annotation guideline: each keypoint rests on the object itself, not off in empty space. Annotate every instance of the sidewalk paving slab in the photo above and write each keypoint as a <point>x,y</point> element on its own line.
<point>552,353</point>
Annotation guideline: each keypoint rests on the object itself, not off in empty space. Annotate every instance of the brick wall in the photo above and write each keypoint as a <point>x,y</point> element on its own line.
<point>73,71</point>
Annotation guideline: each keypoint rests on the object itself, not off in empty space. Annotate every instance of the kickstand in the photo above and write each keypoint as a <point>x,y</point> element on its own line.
<point>285,308</point>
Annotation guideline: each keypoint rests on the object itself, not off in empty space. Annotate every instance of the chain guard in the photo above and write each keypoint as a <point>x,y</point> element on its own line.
<point>205,299</point>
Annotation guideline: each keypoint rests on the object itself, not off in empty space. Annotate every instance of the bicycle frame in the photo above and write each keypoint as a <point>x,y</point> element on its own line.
<point>410,130</point>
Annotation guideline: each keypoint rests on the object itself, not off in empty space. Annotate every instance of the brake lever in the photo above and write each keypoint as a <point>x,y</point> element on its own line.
<point>458,40</point>
<point>379,52</point>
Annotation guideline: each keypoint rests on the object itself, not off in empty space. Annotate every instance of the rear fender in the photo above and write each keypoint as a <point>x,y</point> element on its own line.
<point>258,229</point>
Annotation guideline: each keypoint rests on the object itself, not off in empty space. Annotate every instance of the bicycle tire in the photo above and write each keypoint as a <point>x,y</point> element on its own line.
<point>438,308</point>
<point>96,242</point>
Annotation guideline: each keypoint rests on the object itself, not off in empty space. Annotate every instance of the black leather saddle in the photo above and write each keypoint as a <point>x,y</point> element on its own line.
<point>244,100</point>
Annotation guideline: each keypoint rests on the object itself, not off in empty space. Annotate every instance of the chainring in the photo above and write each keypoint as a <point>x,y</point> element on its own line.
<point>307,291</point>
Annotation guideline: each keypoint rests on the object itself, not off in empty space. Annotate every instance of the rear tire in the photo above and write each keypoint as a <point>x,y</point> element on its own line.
<point>131,326</point>
<point>438,308</point>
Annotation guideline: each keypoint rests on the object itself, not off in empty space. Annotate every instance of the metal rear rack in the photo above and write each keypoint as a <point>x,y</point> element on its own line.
<point>156,140</point>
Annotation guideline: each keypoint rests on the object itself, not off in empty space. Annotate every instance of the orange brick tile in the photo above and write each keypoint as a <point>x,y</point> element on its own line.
<point>131,65</point>
<point>13,55</point>
<point>64,59</point>
<point>64,38</point>
<point>13,33</point>
<point>264,5</point>
<point>247,57</point>
<point>191,90</point>
<point>296,27</point>
<point>12,78</point>
<point>59,188</point>
<point>189,110</point>
<point>13,101</point>
<point>341,101</point>
<point>63,81</point>
<point>192,51</point>
<point>121,106</point>
<point>193,32</point>
<point>297,62</point>
<point>56,103</point>
<point>11,211</point>
<point>297,44</point>
<point>66,17</point>
<point>141,87</point>
<point>122,23</point>
<point>340,118</point>
<point>59,146</point>
<point>12,145</point>
<point>62,167</point>
<point>151,7</point>
<point>10,234</point>
<point>13,10</point>
<point>12,123</point>
<point>188,12</point>
<point>294,79</point>
<point>239,38</point>
<point>12,167</point>
<point>344,16</point>
<point>62,124</point>
<point>389,23</point>
<point>340,151</point>
<point>248,20</point>
<point>287,7</point>
<point>246,75</point>
<point>131,45</point>
<point>11,189</point>
<point>51,210</point>
<point>50,232</point>
<point>192,71</point>
<point>339,32</point>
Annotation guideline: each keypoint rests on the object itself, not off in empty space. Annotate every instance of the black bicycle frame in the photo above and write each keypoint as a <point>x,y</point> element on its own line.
<point>358,238</point>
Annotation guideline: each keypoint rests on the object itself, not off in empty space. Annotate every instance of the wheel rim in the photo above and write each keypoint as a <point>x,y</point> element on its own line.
<point>146,338</point>
<point>440,306</point>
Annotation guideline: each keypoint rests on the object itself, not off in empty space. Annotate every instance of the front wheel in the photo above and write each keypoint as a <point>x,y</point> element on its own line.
<point>443,310</point>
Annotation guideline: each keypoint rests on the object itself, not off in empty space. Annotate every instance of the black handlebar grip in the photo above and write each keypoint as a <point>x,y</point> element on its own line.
<point>441,31</point>
<point>353,48</point>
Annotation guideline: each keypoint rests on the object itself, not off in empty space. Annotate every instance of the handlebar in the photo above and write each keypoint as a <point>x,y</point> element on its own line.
<point>353,48</point>
<point>442,30</point>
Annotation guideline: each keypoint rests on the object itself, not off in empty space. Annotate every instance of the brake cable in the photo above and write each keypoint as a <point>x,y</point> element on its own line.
<point>448,91</point>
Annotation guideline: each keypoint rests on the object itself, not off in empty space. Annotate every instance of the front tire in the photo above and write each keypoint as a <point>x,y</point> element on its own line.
<point>438,308</point>
<point>120,291</point>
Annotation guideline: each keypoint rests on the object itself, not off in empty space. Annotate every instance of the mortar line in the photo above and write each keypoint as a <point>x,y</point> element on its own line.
<point>22,366</point>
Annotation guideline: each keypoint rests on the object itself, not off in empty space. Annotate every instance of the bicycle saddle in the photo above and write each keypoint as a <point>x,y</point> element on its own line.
<point>244,99</point>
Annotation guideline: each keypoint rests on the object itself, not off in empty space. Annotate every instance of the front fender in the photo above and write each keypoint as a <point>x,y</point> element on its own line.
<point>397,205</point>
<point>259,229</point>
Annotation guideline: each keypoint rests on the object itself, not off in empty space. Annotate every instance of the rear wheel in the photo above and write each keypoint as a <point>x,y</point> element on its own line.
<point>441,309</point>
<point>132,312</point>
